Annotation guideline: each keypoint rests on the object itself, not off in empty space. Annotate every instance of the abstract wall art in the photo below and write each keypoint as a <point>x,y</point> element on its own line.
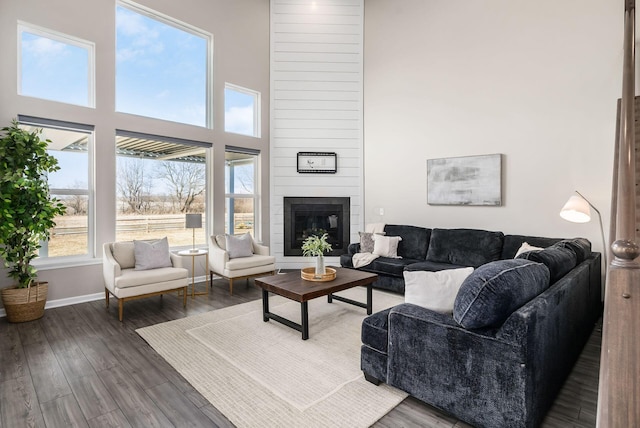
<point>467,180</point>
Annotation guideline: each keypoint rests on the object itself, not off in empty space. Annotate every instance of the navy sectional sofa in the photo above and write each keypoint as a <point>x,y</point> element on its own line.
<point>500,358</point>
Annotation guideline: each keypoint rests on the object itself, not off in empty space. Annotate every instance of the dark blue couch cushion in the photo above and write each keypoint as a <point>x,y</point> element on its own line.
<point>559,260</point>
<point>581,247</point>
<point>513,242</point>
<point>388,266</point>
<point>431,266</point>
<point>493,291</point>
<point>375,330</point>
<point>415,240</point>
<point>465,247</point>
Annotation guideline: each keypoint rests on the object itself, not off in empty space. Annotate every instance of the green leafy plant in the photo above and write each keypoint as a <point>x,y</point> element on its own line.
<point>27,210</point>
<point>316,245</point>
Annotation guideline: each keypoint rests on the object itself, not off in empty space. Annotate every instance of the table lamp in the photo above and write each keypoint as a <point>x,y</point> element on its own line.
<point>193,221</point>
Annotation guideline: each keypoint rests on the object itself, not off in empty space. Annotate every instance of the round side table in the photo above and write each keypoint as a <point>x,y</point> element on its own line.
<point>193,254</point>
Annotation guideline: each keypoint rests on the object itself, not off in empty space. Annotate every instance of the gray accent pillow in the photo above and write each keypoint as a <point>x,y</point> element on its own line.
<point>495,290</point>
<point>366,241</point>
<point>152,254</point>
<point>239,246</point>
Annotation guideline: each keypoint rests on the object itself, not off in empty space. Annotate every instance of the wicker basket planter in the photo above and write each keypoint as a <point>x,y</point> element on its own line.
<point>25,304</point>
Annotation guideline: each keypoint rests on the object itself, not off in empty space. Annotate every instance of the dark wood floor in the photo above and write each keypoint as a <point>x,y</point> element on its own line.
<point>79,367</point>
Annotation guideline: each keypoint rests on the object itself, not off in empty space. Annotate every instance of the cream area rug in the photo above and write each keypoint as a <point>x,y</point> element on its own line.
<point>262,374</point>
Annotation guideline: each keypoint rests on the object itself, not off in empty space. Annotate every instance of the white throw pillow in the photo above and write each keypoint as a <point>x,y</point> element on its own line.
<point>434,290</point>
<point>526,247</point>
<point>239,246</point>
<point>152,254</point>
<point>386,246</point>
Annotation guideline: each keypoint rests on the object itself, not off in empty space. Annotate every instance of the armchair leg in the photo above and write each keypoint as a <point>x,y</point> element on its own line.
<point>120,309</point>
<point>184,297</point>
<point>106,297</point>
<point>231,286</point>
<point>211,279</point>
<point>371,379</point>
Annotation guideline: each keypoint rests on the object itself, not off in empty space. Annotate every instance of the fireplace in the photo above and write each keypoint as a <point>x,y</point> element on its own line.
<point>304,217</point>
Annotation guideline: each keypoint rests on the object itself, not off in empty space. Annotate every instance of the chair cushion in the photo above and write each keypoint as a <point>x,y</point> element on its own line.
<point>134,278</point>
<point>239,246</point>
<point>249,262</point>
<point>123,253</point>
<point>434,290</point>
<point>493,291</point>
<point>466,247</point>
<point>152,254</point>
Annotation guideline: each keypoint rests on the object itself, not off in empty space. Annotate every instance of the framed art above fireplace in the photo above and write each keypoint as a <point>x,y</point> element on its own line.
<point>317,162</point>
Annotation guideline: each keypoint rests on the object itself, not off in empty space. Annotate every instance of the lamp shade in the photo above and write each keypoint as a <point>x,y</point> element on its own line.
<point>576,210</point>
<point>193,221</point>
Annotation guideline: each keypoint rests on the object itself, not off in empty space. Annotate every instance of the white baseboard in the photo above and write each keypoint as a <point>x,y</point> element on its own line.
<point>86,298</point>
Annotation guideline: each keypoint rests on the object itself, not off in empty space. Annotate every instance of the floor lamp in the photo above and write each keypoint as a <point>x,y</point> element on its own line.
<point>577,210</point>
<point>193,221</point>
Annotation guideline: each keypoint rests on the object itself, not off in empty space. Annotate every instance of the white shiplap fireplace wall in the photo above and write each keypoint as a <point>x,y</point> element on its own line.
<point>316,106</point>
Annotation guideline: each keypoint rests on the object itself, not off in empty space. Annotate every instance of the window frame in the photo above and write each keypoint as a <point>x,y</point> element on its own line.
<point>61,38</point>
<point>90,256</point>
<point>257,97</point>
<point>208,149</point>
<point>181,25</point>
<point>229,197</point>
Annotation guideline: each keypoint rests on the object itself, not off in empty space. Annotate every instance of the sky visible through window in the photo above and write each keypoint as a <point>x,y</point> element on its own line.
<point>161,71</point>
<point>239,112</point>
<point>54,70</point>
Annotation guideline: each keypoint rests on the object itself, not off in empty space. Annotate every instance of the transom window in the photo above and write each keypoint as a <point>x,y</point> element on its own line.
<point>241,110</point>
<point>55,66</point>
<point>162,66</point>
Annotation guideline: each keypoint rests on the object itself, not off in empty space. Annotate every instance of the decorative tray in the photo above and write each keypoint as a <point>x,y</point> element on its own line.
<point>309,274</point>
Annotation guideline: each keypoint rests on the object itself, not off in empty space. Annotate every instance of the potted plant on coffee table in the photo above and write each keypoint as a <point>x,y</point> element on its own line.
<point>316,246</point>
<point>27,213</point>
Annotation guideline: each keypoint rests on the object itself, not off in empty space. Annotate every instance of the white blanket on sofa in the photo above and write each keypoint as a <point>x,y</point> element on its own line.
<point>363,259</point>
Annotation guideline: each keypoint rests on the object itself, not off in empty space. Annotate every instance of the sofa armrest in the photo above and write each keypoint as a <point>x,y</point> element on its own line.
<point>434,359</point>
<point>110,267</point>
<point>353,248</point>
<point>176,260</point>
<point>260,249</point>
<point>218,257</point>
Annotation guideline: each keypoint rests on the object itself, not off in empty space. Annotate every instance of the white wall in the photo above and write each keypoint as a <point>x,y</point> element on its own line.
<point>316,92</point>
<point>241,56</point>
<point>535,81</point>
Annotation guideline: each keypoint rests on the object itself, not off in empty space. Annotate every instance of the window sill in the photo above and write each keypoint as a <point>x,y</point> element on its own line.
<point>71,262</point>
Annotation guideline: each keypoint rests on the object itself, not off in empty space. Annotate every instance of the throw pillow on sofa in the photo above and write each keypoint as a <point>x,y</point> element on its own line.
<point>580,246</point>
<point>559,260</point>
<point>495,290</point>
<point>434,290</point>
<point>152,254</point>
<point>386,246</point>
<point>525,247</point>
<point>366,241</point>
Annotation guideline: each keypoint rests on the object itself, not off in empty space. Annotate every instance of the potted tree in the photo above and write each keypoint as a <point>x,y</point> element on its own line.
<point>27,212</point>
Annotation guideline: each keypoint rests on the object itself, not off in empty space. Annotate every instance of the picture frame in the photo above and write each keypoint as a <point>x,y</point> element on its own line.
<point>466,180</point>
<point>317,162</point>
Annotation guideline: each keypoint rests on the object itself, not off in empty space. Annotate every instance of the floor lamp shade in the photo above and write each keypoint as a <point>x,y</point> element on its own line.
<point>193,221</point>
<point>576,210</point>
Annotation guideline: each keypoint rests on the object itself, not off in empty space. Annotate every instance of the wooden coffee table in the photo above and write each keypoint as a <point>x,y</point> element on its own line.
<point>292,286</point>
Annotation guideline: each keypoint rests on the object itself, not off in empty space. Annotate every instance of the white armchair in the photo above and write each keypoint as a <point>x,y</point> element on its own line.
<point>260,263</point>
<point>125,283</point>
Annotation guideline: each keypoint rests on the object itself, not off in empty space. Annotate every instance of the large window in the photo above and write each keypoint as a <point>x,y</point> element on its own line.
<point>241,110</point>
<point>55,66</point>
<point>162,67</point>
<point>71,145</point>
<point>241,174</point>
<point>158,181</point>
